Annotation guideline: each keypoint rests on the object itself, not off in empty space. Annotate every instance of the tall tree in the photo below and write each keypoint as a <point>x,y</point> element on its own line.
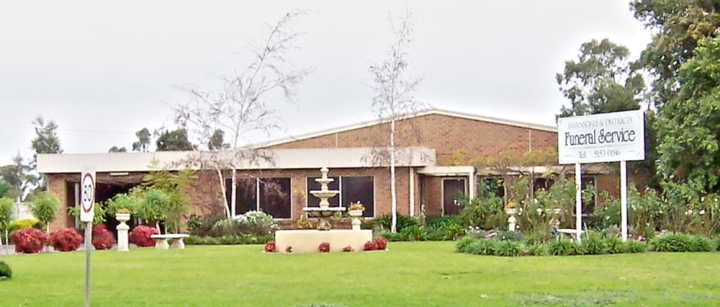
<point>143,142</point>
<point>217,140</point>
<point>19,176</point>
<point>176,140</point>
<point>600,81</point>
<point>393,99</point>
<point>243,104</point>
<point>678,25</point>
<point>46,139</point>
<point>689,132</point>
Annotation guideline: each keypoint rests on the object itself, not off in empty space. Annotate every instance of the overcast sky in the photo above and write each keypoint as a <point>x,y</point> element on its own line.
<point>104,71</point>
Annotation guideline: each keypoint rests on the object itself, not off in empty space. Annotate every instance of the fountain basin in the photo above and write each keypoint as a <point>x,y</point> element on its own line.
<point>307,241</point>
<point>325,194</point>
<point>323,212</point>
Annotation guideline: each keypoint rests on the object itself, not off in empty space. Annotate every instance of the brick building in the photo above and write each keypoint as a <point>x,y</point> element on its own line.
<point>437,155</point>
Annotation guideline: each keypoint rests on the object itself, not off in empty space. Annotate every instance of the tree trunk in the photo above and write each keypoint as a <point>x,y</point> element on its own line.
<point>393,228</point>
<point>233,197</point>
<point>224,192</point>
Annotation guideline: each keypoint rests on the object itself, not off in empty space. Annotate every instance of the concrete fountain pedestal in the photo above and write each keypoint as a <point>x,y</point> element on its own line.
<point>308,241</point>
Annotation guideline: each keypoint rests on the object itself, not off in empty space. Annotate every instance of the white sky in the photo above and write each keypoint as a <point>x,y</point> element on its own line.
<point>104,71</point>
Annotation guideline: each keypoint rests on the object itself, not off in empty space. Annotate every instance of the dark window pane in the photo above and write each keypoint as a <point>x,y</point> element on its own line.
<point>275,197</point>
<point>453,190</point>
<point>313,185</point>
<point>245,193</point>
<point>542,184</point>
<point>359,189</point>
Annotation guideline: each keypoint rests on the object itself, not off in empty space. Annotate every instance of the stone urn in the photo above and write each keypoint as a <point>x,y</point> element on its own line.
<point>355,215</point>
<point>122,231</point>
<point>512,220</point>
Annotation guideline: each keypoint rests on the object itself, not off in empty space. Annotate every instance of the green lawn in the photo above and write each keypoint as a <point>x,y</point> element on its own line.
<point>409,274</point>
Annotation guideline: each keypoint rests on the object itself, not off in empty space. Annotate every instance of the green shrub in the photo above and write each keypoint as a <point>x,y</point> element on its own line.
<point>228,240</point>
<point>539,249</point>
<point>634,246</point>
<point>508,248</point>
<point>436,234</point>
<point>593,244</point>
<point>413,233</point>
<point>615,245</point>
<point>437,221</point>
<point>5,270</point>
<point>671,243</point>
<point>384,222</point>
<point>510,236</point>
<point>487,247</point>
<point>717,243</point>
<point>462,244</point>
<point>700,244</point>
<point>562,247</point>
<point>453,230</point>
<point>202,225</point>
<point>25,223</point>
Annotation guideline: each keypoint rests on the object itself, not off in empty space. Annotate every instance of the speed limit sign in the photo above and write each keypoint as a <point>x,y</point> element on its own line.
<point>87,194</point>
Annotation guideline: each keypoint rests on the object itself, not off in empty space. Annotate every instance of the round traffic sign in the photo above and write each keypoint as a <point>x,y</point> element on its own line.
<point>88,192</point>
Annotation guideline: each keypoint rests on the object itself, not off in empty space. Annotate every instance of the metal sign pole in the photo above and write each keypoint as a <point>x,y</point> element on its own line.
<point>88,242</point>
<point>578,201</point>
<point>623,201</point>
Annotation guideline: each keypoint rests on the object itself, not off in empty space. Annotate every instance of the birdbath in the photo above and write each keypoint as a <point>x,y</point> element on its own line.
<point>122,231</point>
<point>323,213</point>
<point>512,220</point>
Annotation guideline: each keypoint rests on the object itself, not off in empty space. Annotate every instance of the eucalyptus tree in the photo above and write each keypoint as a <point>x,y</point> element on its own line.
<point>394,100</point>
<point>243,105</point>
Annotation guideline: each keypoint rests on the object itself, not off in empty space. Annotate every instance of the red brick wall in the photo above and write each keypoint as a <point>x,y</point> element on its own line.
<point>445,134</point>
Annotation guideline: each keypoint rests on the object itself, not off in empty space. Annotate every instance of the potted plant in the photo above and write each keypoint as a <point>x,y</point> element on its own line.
<point>511,208</point>
<point>356,209</point>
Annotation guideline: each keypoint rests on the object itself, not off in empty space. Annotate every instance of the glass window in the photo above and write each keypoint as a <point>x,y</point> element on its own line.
<point>274,196</point>
<point>362,189</point>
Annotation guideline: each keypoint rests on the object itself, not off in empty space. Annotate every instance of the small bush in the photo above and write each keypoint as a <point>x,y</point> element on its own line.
<point>462,244</point>
<point>257,223</point>
<point>593,244</point>
<point>347,249</point>
<point>5,270</point>
<point>384,222</point>
<point>381,243</point>
<point>717,243</point>
<point>102,238</point>
<point>487,247</point>
<point>324,247</point>
<point>65,240</point>
<point>413,233</point>
<point>140,236</point>
<point>510,236</point>
<point>24,223</point>
<point>29,240</point>
<point>562,247</point>
<point>369,246</point>
<point>671,243</point>
<point>615,245</point>
<point>634,246</point>
<point>436,234</point>
<point>700,244</point>
<point>508,248</point>
<point>539,249</point>
<point>202,225</point>
<point>270,247</point>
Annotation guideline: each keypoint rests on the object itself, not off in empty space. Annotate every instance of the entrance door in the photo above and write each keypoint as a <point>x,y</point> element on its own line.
<point>453,189</point>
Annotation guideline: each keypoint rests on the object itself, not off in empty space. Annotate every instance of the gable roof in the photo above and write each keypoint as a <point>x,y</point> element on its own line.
<point>417,114</point>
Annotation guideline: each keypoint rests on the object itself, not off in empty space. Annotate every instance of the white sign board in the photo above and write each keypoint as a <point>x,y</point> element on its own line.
<point>87,194</point>
<point>608,137</point>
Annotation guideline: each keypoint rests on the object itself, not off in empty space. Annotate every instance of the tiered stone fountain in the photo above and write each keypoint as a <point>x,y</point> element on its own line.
<point>324,213</point>
<point>308,241</point>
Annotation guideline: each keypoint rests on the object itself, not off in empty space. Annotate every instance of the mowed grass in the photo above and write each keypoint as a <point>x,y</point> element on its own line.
<point>409,274</point>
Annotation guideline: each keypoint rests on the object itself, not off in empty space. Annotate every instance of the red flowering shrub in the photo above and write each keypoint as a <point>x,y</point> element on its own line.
<point>381,243</point>
<point>370,246</point>
<point>102,238</point>
<point>288,249</point>
<point>140,236</point>
<point>65,240</point>
<point>324,247</point>
<point>270,247</point>
<point>29,240</point>
<point>348,249</point>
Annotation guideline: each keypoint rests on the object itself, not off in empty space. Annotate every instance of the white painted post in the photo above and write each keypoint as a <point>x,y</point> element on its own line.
<point>412,191</point>
<point>578,201</point>
<point>623,199</point>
